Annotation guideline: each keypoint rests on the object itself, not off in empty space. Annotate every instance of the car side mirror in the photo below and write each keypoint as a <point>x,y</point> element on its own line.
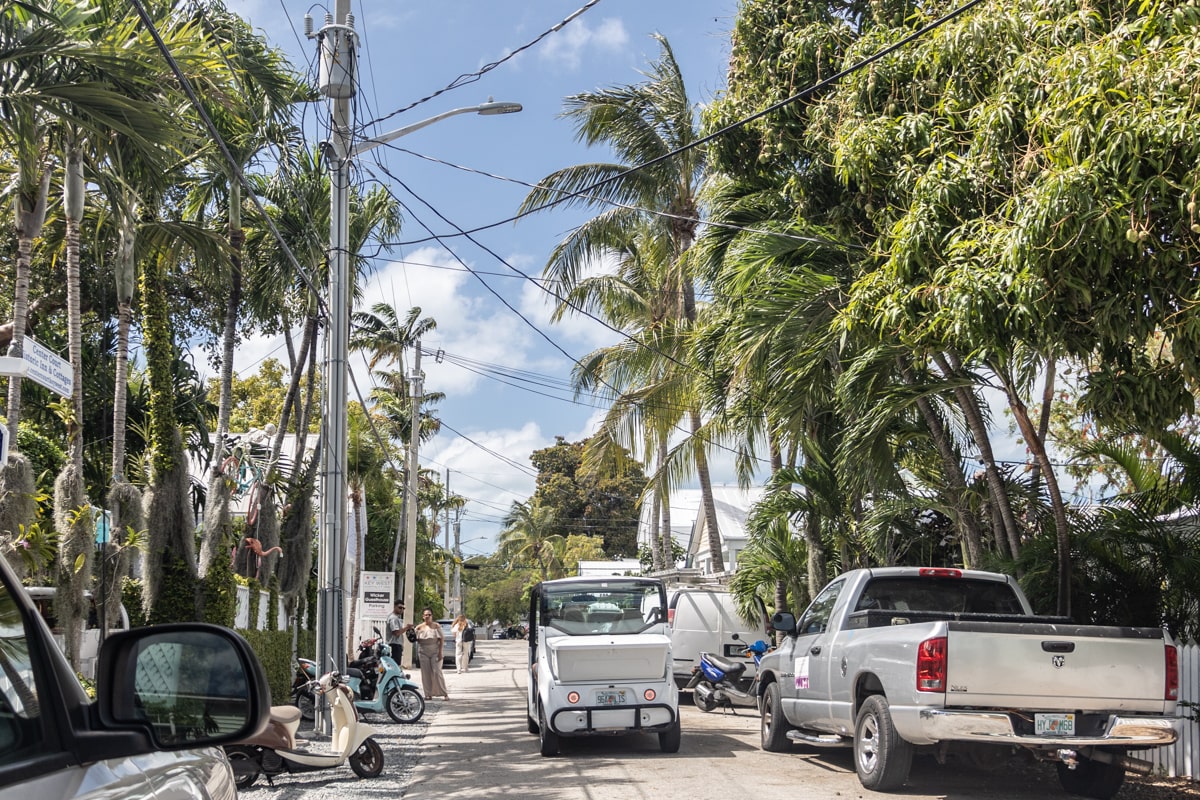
<point>186,685</point>
<point>784,622</point>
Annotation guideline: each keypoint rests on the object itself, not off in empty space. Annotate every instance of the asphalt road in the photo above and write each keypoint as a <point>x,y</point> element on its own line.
<point>476,745</point>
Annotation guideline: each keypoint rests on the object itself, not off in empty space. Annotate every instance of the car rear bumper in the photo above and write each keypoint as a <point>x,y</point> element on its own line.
<point>941,725</point>
<point>599,720</point>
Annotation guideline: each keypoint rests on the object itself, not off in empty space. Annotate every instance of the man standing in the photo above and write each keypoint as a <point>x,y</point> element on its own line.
<point>395,630</point>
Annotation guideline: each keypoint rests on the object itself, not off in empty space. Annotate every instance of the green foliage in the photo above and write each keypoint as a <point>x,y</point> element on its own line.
<point>274,650</point>
<point>255,598</point>
<point>177,599</point>
<point>45,457</point>
<point>219,590</point>
<point>131,598</point>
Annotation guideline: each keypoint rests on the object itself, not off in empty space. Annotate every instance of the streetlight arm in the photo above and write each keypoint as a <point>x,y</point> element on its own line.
<point>487,108</point>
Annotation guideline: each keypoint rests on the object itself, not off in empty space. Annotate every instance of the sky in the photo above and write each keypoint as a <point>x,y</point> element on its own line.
<point>504,367</point>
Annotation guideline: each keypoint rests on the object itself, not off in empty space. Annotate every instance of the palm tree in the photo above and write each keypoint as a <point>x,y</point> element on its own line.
<point>529,538</point>
<point>641,123</point>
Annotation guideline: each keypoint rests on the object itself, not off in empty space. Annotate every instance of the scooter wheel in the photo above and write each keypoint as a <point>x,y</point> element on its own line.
<point>244,762</point>
<point>405,705</point>
<point>702,703</point>
<point>307,705</point>
<point>367,760</point>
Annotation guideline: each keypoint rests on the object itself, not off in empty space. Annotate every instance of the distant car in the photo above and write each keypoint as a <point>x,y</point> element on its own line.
<point>499,633</point>
<point>167,697</point>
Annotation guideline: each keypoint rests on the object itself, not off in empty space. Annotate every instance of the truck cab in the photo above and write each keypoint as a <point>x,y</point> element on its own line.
<point>600,661</point>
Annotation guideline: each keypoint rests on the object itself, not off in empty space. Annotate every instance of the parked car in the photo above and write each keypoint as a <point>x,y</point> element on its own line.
<point>167,697</point>
<point>708,621</point>
<point>89,647</point>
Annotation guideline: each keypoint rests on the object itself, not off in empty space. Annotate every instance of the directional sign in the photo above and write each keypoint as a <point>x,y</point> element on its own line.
<point>47,368</point>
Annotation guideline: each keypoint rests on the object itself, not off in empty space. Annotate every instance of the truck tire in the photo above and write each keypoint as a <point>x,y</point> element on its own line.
<point>1092,778</point>
<point>547,739</point>
<point>882,757</point>
<point>668,740</point>
<point>774,725</point>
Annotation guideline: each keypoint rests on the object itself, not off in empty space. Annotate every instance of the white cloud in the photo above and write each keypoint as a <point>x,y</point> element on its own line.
<point>566,48</point>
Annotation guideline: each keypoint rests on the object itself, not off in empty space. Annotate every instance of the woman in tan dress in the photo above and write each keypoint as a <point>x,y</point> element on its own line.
<point>430,644</point>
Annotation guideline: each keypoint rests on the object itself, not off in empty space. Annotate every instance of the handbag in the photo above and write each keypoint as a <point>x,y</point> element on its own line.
<point>411,635</point>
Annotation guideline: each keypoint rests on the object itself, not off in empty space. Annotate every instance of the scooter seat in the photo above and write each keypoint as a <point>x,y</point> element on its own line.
<point>732,669</point>
<point>285,714</point>
<point>354,672</point>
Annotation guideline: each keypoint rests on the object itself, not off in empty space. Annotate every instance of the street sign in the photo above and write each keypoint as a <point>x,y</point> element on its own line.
<point>47,368</point>
<point>3,445</point>
<point>376,594</point>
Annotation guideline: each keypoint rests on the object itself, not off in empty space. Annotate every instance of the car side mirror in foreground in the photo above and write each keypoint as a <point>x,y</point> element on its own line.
<point>185,685</point>
<point>784,622</point>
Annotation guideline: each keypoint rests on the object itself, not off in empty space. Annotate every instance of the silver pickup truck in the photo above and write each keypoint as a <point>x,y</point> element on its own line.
<point>888,660</point>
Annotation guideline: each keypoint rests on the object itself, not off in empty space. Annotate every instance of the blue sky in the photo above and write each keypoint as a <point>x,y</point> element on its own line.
<point>505,384</point>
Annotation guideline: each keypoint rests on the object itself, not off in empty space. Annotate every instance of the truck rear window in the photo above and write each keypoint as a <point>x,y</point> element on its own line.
<point>956,595</point>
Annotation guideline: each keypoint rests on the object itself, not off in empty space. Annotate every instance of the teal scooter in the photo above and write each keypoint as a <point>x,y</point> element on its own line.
<point>380,684</point>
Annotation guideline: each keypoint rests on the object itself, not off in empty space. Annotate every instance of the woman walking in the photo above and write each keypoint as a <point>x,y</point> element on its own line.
<point>462,645</point>
<point>430,644</point>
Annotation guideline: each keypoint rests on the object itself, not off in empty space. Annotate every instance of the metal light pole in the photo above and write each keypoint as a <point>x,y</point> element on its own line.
<point>337,46</point>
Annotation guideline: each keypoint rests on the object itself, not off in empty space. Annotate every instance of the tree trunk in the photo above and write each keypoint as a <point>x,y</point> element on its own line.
<point>951,365</point>
<point>706,495</point>
<point>656,560</point>
<point>73,197</point>
<point>1038,448</point>
<point>289,401</point>
<point>662,492</point>
<point>816,550</point>
<point>355,504</point>
<point>956,483</point>
<point>30,216</point>
<point>1043,426</point>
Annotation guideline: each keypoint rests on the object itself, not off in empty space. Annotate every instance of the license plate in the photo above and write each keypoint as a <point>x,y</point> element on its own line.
<point>608,697</point>
<point>1054,724</point>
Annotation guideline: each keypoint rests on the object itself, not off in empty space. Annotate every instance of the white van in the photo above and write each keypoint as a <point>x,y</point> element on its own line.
<point>707,620</point>
<point>89,647</point>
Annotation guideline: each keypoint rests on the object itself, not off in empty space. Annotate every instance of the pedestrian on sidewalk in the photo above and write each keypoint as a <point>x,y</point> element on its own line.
<point>464,636</point>
<point>395,628</point>
<point>430,649</point>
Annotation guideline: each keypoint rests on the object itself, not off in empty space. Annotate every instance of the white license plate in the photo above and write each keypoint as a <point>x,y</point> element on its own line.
<point>1054,724</point>
<point>610,697</point>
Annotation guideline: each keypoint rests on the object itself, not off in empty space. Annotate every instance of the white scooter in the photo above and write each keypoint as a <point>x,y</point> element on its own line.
<point>274,750</point>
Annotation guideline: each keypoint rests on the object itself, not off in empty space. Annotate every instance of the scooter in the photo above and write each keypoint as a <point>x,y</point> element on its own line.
<point>380,684</point>
<point>716,681</point>
<point>303,696</point>
<point>274,750</point>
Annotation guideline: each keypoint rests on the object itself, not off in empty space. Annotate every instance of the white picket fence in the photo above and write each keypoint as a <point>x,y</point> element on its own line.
<point>1182,759</point>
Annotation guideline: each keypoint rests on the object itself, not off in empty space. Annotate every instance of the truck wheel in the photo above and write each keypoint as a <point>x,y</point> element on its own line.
<point>882,757</point>
<point>668,740</point>
<point>1092,778</point>
<point>547,738</point>
<point>774,725</point>
<point>367,760</point>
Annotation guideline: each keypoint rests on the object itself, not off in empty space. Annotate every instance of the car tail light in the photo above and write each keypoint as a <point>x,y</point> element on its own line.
<point>931,665</point>
<point>649,694</point>
<point>1172,688</point>
<point>939,572</point>
<point>671,617</point>
<point>573,698</point>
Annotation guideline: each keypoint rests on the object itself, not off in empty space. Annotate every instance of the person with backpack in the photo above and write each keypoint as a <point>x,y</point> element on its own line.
<point>464,638</point>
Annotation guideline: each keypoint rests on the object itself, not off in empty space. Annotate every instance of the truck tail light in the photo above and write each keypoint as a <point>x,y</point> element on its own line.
<point>671,617</point>
<point>931,665</point>
<point>1172,688</point>
<point>939,572</point>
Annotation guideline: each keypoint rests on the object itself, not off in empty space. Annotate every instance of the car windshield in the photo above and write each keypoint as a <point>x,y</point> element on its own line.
<point>582,609</point>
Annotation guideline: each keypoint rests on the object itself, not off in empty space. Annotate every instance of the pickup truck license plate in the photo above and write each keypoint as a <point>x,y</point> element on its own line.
<point>610,697</point>
<point>1054,724</point>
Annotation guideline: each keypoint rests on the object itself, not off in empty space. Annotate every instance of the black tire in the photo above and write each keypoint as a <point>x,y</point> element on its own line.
<point>1092,779</point>
<point>244,761</point>
<point>668,740</point>
<point>547,739</point>
<point>774,726</point>
<point>367,760</point>
<point>405,705</point>
<point>882,757</point>
<point>703,704</point>
<point>307,705</point>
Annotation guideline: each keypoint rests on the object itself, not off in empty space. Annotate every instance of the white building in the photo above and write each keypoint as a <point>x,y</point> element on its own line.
<point>689,530</point>
<point>613,567</point>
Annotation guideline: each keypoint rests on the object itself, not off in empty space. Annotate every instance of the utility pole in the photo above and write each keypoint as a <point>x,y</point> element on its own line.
<point>337,45</point>
<point>446,545</point>
<point>459,606</point>
<point>410,521</point>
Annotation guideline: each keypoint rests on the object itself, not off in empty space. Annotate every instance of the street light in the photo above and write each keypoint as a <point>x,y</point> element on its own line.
<point>337,46</point>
